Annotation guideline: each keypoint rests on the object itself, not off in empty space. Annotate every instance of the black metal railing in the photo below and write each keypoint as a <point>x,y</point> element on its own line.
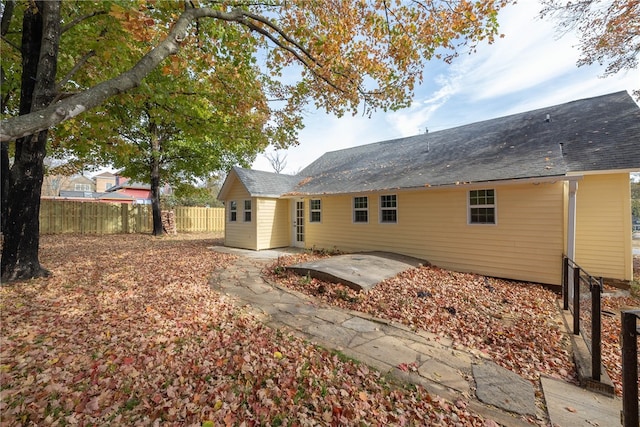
<point>585,307</point>
<point>628,333</point>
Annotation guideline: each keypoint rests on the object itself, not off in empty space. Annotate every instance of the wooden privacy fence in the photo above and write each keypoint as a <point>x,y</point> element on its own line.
<point>63,216</point>
<point>193,219</point>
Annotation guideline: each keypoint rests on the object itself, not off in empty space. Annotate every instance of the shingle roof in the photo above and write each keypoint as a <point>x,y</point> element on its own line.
<point>134,185</point>
<point>266,184</point>
<point>105,174</point>
<point>599,133</point>
<point>594,134</point>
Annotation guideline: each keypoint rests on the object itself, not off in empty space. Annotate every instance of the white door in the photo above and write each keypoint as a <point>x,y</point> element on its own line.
<point>297,233</point>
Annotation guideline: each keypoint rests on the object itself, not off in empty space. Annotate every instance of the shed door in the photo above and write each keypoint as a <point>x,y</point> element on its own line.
<point>298,223</point>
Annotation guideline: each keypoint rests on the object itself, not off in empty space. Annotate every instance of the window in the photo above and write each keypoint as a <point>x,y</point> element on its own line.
<point>233,211</point>
<point>482,207</point>
<point>388,208</point>
<point>82,187</point>
<point>314,210</point>
<point>361,209</point>
<point>247,211</point>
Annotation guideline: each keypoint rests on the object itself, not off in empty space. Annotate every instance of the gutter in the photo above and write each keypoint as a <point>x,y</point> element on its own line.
<point>469,185</point>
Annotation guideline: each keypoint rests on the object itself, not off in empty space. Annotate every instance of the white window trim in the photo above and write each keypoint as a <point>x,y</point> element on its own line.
<point>494,206</point>
<point>380,216</point>
<point>231,210</point>
<point>311,211</point>
<point>353,206</point>
<point>245,210</point>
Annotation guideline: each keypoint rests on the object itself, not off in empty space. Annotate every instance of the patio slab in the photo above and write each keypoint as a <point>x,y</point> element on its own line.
<point>360,271</point>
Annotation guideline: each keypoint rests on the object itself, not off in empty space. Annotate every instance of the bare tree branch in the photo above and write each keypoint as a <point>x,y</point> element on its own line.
<point>296,49</point>
<point>74,70</point>
<point>7,15</point>
<point>79,19</point>
<point>277,162</point>
<point>10,43</point>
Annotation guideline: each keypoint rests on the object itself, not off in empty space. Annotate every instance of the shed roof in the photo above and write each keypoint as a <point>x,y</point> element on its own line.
<point>260,183</point>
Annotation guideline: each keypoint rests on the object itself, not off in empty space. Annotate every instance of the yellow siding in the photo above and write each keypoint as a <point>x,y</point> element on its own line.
<point>272,217</point>
<point>603,226</point>
<point>525,244</point>
<point>240,234</point>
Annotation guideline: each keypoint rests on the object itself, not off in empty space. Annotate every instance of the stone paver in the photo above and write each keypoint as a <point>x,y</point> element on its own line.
<point>569,405</point>
<point>444,374</point>
<point>361,325</point>
<point>502,388</point>
<point>388,349</point>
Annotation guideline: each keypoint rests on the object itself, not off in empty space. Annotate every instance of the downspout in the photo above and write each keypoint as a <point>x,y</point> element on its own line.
<point>571,231</point>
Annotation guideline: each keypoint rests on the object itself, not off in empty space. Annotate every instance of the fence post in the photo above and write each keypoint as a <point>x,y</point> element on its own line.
<point>124,213</point>
<point>628,334</point>
<point>576,300</point>
<point>596,327</point>
<point>565,282</point>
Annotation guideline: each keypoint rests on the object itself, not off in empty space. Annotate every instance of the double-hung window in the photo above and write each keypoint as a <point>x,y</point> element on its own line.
<point>482,206</point>
<point>233,211</point>
<point>361,209</point>
<point>247,211</point>
<point>388,208</point>
<point>315,212</point>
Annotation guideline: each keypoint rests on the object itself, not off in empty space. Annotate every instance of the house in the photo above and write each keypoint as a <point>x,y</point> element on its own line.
<point>104,187</point>
<point>135,192</point>
<point>504,197</point>
<point>105,181</point>
<point>53,185</point>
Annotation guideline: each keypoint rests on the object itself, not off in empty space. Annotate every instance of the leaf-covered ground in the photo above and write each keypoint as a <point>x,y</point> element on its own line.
<point>128,332</point>
<point>516,324</point>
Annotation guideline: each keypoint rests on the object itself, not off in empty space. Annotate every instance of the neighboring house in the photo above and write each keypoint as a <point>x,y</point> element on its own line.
<point>53,185</point>
<point>137,192</point>
<point>79,183</point>
<point>503,197</point>
<point>105,181</point>
<point>105,187</point>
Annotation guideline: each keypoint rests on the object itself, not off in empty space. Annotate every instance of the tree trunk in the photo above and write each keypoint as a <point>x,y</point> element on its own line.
<point>40,42</point>
<point>4,147</point>
<point>22,228</point>
<point>5,172</point>
<point>155,182</point>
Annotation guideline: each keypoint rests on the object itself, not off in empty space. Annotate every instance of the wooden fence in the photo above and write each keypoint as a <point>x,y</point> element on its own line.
<point>63,216</point>
<point>193,219</point>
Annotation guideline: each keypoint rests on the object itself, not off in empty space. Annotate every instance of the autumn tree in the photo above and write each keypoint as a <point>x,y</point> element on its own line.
<point>348,56</point>
<point>609,31</point>
<point>203,111</point>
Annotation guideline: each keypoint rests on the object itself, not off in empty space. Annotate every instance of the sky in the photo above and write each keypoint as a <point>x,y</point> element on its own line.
<point>530,68</point>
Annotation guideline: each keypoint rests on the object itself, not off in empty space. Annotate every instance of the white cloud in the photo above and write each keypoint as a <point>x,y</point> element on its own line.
<point>414,120</point>
<point>528,56</point>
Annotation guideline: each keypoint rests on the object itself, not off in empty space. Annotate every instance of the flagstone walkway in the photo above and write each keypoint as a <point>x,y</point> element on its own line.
<point>450,372</point>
